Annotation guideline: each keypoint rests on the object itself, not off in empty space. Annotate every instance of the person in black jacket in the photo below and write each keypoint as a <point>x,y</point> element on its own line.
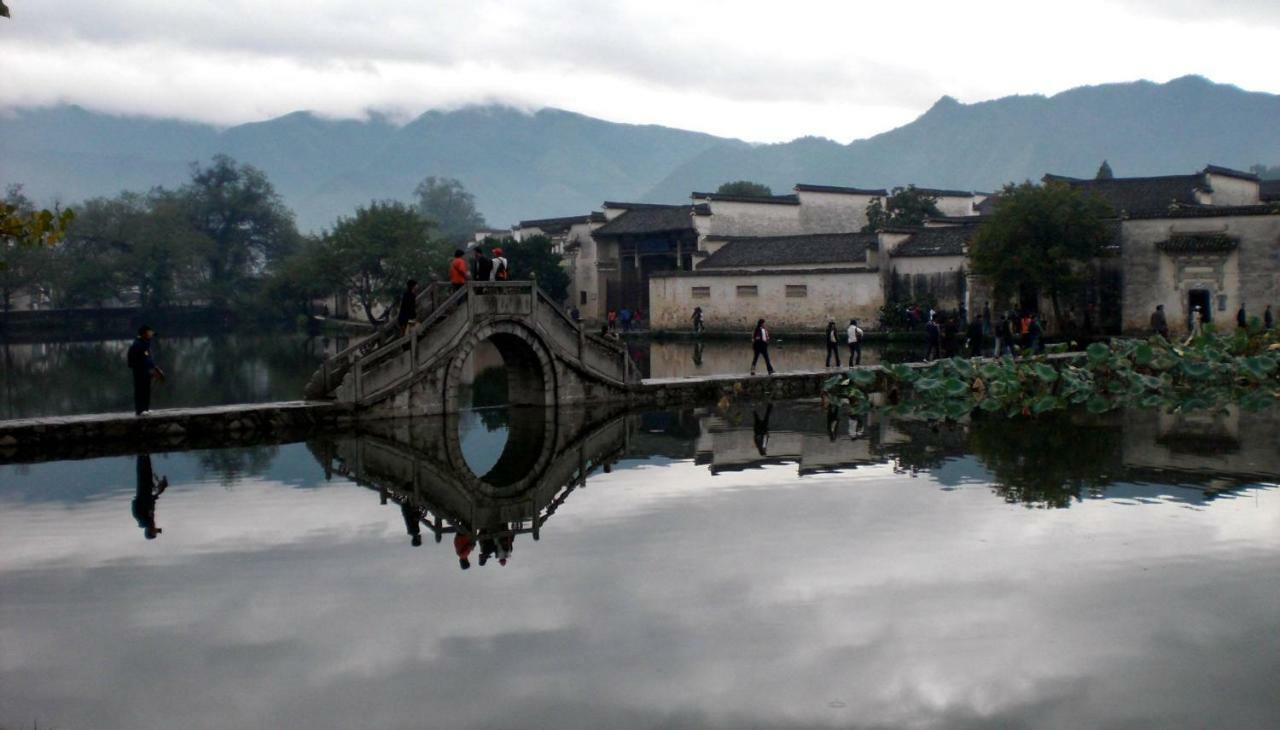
<point>408,314</point>
<point>144,369</point>
<point>833,342</point>
<point>760,347</point>
<point>483,269</point>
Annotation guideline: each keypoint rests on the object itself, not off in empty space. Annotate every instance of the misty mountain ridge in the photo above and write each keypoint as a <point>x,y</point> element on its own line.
<point>554,162</point>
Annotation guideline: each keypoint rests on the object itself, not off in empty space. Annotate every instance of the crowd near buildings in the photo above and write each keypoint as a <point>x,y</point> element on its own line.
<point>1209,239</point>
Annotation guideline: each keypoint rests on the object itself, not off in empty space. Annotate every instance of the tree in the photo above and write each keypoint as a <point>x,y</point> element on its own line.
<point>27,237</point>
<point>245,221</point>
<point>1264,172</point>
<point>1104,172</point>
<point>371,254</point>
<point>445,201</point>
<point>1042,236</point>
<point>745,189</point>
<point>904,207</point>
<point>535,256</point>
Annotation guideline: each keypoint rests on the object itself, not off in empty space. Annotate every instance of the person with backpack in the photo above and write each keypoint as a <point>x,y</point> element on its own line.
<point>760,346</point>
<point>144,369</point>
<point>501,268</point>
<point>854,336</point>
<point>833,342</point>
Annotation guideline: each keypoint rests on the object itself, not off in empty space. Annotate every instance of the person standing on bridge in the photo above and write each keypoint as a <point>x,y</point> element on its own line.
<point>482,267</point>
<point>760,346</point>
<point>501,267</point>
<point>833,342</point>
<point>408,314</point>
<point>144,369</point>
<point>854,335</point>
<point>458,271</point>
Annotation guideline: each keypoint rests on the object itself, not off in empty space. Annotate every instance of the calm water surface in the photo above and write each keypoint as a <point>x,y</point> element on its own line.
<point>765,566</point>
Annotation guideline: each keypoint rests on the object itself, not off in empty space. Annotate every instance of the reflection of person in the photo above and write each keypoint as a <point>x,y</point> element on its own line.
<point>488,547</point>
<point>760,429</point>
<point>144,369</point>
<point>857,426</point>
<point>412,523</point>
<point>506,543</point>
<point>463,543</point>
<point>697,354</point>
<point>144,501</point>
<point>833,422</point>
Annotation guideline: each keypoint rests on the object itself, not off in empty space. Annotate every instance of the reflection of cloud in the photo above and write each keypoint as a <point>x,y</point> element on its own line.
<point>655,596</point>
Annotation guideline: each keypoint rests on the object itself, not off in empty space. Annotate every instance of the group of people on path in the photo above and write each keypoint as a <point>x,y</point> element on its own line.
<point>626,319</point>
<point>853,336</point>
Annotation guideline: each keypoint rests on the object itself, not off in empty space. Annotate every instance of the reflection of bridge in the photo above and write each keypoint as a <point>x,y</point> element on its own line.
<point>419,464</point>
<point>549,358</point>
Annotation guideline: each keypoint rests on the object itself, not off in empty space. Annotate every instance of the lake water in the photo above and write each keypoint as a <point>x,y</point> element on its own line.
<point>763,566</point>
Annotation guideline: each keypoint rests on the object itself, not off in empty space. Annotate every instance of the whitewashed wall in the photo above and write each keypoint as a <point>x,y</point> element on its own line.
<point>840,295</point>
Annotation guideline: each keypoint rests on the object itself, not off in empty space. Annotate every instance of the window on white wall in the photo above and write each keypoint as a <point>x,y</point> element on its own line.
<point>795,291</point>
<point>701,292</point>
<point>748,291</point>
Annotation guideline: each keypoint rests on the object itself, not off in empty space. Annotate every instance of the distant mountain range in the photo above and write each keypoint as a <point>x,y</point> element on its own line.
<point>554,162</point>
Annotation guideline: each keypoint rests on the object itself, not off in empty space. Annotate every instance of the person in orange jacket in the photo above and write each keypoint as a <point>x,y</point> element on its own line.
<point>458,270</point>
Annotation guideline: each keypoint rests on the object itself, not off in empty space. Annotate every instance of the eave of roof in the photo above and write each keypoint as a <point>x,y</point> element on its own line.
<point>938,193</point>
<point>771,200</point>
<point>762,272</point>
<point>1206,211</point>
<point>1228,172</point>
<point>807,188</point>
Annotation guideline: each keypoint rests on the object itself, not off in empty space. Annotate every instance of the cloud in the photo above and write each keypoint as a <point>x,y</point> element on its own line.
<point>752,69</point>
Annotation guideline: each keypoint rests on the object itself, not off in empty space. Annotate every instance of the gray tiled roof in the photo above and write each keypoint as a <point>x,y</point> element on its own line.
<point>1228,172</point>
<point>560,225</point>
<point>649,219</point>
<point>806,188</point>
<point>1136,195</point>
<point>764,199</point>
<point>937,193</point>
<point>942,241</point>
<point>764,251</point>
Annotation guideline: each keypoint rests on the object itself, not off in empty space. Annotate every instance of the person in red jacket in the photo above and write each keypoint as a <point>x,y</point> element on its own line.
<point>458,270</point>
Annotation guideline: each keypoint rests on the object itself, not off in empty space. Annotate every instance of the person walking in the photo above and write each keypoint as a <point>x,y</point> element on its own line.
<point>1242,320</point>
<point>949,333</point>
<point>933,340</point>
<point>501,267</point>
<point>408,314</point>
<point>1268,319</point>
<point>1159,324</point>
<point>1035,335</point>
<point>760,346</point>
<point>1010,332</point>
<point>1197,324</point>
<point>612,319</point>
<point>975,337</point>
<point>144,369</point>
<point>458,270</point>
<point>854,336</point>
<point>697,320</point>
<point>625,316</point>
<point>833,342</point>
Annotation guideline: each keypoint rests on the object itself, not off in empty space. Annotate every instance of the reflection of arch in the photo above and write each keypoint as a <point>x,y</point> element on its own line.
<point>416,464</point>
<point>531,373</point>
<point>530,446</point>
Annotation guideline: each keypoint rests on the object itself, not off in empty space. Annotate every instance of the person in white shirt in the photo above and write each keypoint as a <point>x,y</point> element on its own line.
<point>854,335</point>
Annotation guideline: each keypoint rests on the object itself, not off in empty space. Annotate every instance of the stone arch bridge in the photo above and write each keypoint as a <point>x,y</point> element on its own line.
<point>550,359</point>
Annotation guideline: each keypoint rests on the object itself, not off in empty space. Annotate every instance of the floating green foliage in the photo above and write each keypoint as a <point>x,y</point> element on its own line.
<point>1209,372</point>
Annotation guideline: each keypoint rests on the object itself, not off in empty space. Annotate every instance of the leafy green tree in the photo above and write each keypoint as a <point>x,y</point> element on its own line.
<point>1043,236</point>
<point>907,206</point>
<point>245,221</point>
<point>745,189</point>
<point>1104,172</point>
<point>535,256</point>
<point>27,236</point>
<point>445,201</point>
<point>372,253</point>
<point>1266,173</point>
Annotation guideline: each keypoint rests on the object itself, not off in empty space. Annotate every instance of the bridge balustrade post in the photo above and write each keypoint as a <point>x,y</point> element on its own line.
<point>358,367</point>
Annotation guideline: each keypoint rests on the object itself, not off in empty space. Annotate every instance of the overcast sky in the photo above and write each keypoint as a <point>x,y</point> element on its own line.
<point>762,71</point>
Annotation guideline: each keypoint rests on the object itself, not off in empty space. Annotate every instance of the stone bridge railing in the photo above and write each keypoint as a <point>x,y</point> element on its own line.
<point>388,363</point>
